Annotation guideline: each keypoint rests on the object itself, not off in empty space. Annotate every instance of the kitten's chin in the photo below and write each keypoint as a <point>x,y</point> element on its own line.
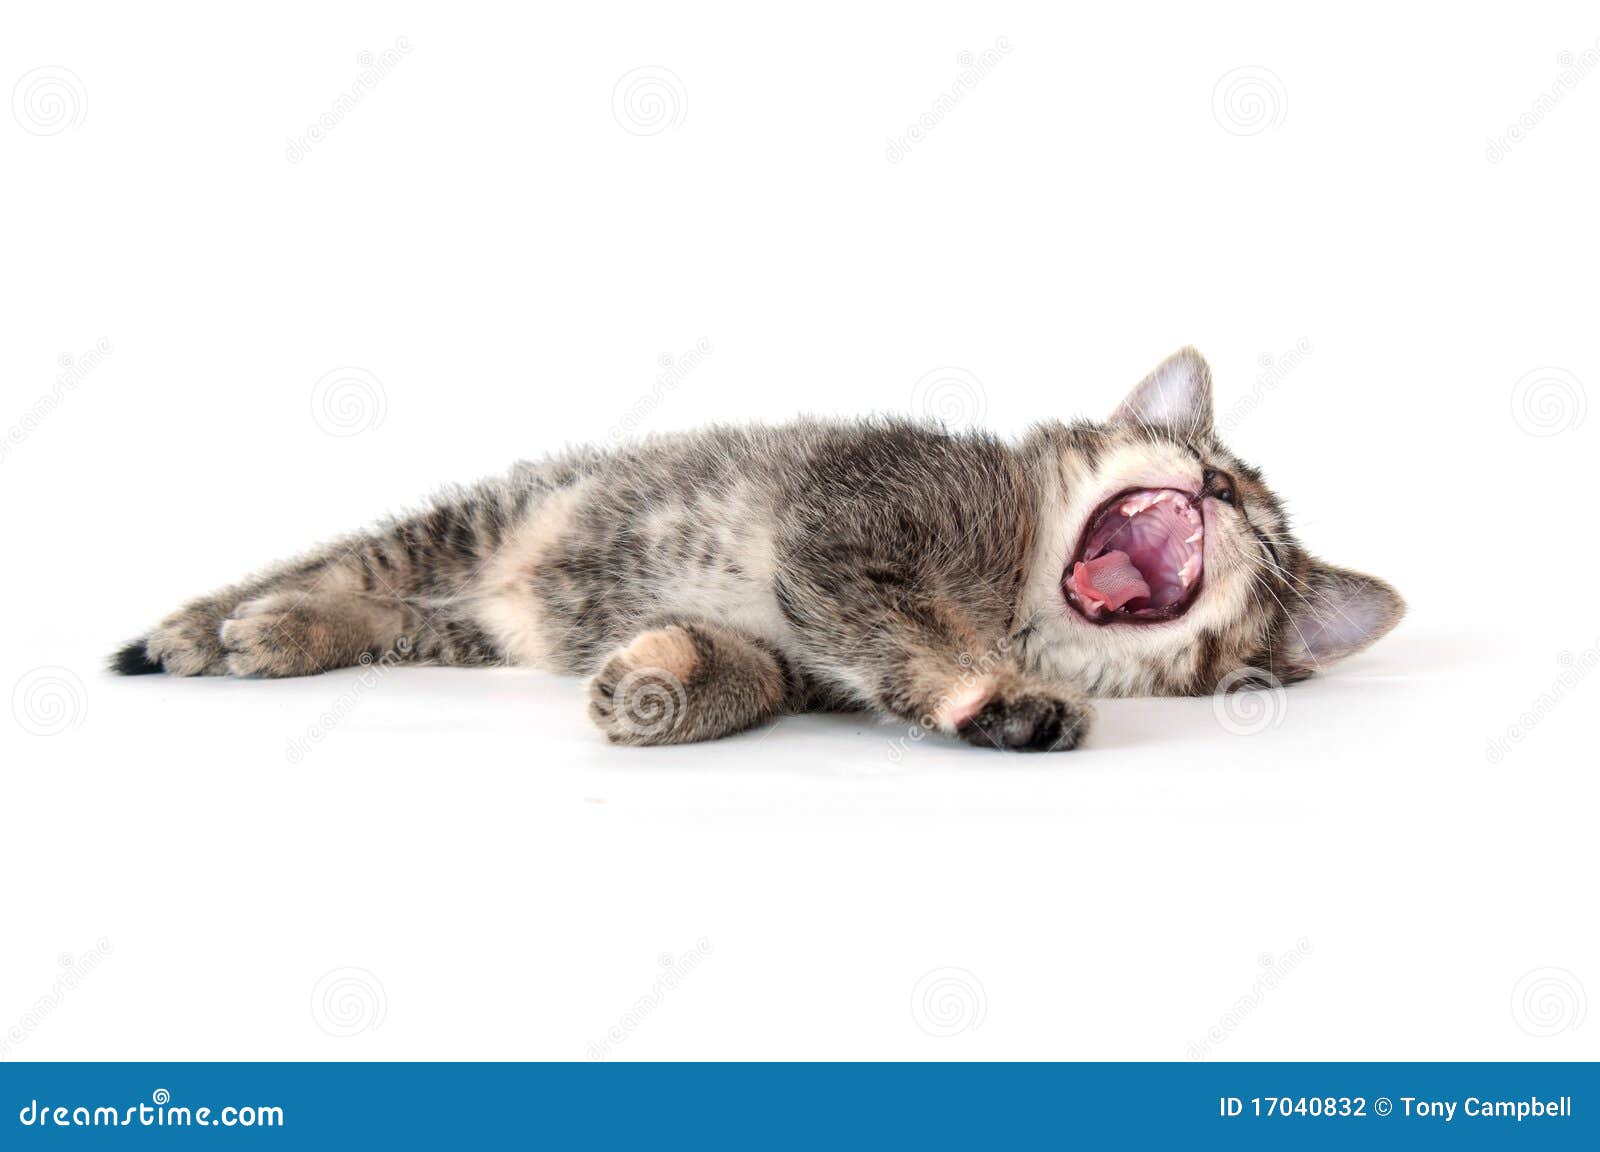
<point>1140,559</point>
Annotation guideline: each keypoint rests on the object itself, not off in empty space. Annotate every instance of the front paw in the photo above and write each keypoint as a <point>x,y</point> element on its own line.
<point>1028,720</point>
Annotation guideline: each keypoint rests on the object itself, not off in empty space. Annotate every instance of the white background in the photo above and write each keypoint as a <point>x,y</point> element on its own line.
<point>507,253</point>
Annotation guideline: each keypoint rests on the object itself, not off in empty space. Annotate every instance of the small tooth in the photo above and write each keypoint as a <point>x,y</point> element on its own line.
<point>1198,532</point>
<point>1190,569</point>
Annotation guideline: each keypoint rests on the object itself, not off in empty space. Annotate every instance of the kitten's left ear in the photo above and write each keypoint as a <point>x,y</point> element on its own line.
<point>1176,395</point>
<point>1335,613</point>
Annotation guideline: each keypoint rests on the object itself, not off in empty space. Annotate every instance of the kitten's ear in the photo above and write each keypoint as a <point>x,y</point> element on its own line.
<point>1335,613</point>
<point>1176,395</point>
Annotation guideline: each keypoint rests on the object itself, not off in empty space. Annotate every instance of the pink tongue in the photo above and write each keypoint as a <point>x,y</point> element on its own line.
<point>1108,581</point>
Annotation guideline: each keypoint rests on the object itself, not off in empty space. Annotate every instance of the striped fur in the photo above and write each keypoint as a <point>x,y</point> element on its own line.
<point>734,573</point>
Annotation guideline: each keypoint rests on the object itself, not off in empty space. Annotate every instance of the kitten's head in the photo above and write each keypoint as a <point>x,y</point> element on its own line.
<point>1181,570</point>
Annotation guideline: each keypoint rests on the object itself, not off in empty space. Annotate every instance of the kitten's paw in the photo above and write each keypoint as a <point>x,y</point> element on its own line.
<point>641,695</point>
<point>1028,720</point>
<point>272,636</point>
<point>186,643</point>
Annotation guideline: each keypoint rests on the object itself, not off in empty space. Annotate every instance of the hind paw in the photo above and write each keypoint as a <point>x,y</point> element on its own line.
<point>640,695</point>
<point>273,636</point>
<point>187,643</point>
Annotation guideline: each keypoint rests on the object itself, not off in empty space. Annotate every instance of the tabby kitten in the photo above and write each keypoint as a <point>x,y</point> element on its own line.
<point>711,581</point>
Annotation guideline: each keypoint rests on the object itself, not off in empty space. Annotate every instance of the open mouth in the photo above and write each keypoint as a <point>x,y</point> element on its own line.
<point>1139,560</point>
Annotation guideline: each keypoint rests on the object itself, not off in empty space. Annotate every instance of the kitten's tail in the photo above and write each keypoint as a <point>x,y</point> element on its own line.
<point>133,660</point>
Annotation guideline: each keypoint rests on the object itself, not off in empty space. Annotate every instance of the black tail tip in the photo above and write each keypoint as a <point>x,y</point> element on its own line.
<point>133,660</point>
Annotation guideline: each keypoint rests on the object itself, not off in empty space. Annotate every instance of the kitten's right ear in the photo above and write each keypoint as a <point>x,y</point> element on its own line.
<point>1176,395</point>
